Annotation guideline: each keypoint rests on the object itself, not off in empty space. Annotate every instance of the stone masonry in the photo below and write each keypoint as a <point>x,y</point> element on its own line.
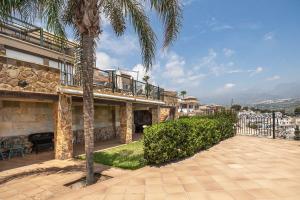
<point>63,134</point>
<point>155,115</point>
<point>23,76</point>
<point>126,123</point>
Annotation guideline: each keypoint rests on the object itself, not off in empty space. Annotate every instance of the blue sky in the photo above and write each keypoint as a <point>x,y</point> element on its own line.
<point>226,48</point>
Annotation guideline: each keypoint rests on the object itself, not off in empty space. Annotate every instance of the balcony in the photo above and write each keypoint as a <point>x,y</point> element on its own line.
<point>112,83</point>
<point>19,29</point>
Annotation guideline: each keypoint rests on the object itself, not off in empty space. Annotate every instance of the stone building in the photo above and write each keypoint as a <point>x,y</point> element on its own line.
<point>40,92</point>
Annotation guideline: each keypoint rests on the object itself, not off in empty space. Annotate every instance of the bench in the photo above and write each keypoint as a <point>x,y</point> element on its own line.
<point>41,141</point>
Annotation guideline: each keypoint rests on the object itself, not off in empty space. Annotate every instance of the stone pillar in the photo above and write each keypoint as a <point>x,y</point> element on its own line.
<point>63,140</point>
<point>2,50</point>
<point>114,121</point>
<point>126,122</point>
<point>155,114</point>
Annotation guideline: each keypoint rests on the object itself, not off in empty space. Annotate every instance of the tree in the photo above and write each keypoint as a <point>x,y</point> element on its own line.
<point>246,108</point>
<point>84,16</point>
<point>146,78</point>
<point>183,93</point>
<point>236,107</point>
<point>297,111</point>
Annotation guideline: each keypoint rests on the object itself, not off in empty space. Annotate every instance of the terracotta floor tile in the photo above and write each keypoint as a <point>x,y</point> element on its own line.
<point>194,187</point>
<point>114,197</point>
<point>173,188</point>
<point>218,195</point>
<point>240,195</point>
<point>154,189</point>
<point>155,196</point>
<point>198,195</point>
<point>262,194</point>
<point>177,196</point>
<point>240,168</point>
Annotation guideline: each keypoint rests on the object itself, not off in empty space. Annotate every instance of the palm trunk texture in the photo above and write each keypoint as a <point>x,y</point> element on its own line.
<point>88,58</point>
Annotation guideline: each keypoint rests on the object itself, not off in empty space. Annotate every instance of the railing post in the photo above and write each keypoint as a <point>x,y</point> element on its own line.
<point>113,81</point>
<point>158,93</point>
<point>147,90</point>
<point>132,87</point>
<point>41,37</point>
<point>273,121</point>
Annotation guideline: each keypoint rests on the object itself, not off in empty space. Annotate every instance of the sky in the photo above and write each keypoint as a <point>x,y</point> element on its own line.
<point>227,49</point>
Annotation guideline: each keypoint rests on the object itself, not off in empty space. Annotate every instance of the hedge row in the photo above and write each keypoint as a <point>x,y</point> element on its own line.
<point>184,137</point>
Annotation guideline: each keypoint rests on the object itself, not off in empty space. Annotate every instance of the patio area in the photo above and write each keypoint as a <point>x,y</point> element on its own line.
<point>240,168</point>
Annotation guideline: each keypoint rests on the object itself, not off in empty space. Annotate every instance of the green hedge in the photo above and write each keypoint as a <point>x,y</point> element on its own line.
<point>184,137</point>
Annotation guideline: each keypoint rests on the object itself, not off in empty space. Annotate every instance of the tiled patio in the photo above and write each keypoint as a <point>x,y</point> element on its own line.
<point>240,168</point>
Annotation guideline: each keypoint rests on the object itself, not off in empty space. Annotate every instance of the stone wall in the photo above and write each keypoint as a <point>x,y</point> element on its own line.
<point>63,136</point>
<point>104,129</point>
<point>24,118</point>
<point>155,115</point>
<point>170,98</point>
<point>126,123</point>
<point>100,134</point>
<point>103,116</point>
<point>24,76</point>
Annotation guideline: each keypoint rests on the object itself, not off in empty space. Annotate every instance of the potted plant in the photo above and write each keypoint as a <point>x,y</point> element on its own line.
<point>297,133</point>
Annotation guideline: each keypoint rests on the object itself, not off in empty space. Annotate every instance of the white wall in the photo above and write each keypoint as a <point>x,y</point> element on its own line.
<point>24,56</point>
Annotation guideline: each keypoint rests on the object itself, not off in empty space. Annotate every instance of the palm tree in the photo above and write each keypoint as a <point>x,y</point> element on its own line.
<point>146,78</point>
<point>183,93</point>
<point>84,16</point>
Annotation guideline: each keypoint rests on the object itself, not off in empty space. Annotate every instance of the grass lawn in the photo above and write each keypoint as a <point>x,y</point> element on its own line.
<point>129,156</point>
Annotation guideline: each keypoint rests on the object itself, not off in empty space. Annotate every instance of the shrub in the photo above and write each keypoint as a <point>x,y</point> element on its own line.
<point>184,137</point>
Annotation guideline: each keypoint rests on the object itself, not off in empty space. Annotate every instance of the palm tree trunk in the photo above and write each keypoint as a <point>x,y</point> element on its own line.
<point>88,60</point>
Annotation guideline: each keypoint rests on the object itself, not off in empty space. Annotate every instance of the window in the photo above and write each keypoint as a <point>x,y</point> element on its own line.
<point>66,73</point>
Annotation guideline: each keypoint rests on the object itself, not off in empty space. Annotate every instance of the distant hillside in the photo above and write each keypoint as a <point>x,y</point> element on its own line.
<point>288,105</point>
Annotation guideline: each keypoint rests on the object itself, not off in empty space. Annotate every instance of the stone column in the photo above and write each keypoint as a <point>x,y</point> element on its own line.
<point>155,114</point>
<point>63,140</point>
<point>2,50</point>
<point>126,123</point>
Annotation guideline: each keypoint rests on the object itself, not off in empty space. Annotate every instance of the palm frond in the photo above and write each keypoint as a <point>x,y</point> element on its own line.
<point>114,12</point>
<point>52,9</point>
<point>147,38</point>
<point>170,13</point>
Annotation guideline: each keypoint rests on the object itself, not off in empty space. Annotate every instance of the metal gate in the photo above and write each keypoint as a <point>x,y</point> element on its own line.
<point>272,125</point>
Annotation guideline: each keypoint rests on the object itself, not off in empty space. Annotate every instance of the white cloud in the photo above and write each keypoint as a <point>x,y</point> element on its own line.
<point>104,61</point>
<point>228,52</point>
<point>234,71</point>
<point>174,67</point>
<point>229,86</point>
<point>124,45</point>
<point>221,27</point>
<point>256,71</point>
<point>186,2</point>
<point>273,78</point>
<point>269,36</point>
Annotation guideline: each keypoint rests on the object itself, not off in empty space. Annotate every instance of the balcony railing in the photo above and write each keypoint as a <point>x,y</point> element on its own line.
<point>112,82</point>
<point>19,29</point>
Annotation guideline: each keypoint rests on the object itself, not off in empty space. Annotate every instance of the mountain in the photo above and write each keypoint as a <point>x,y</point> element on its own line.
<point>288,105</point>
<point>255,95</point>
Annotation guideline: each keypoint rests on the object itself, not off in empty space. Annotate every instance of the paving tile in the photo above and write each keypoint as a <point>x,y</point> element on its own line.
<point>240,168</point>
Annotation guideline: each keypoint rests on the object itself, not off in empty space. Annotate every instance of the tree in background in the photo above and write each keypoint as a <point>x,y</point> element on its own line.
<point>246,108</point>
<point>236,107</point>
<point>297,111</point>
<point>146,78</point>
<point>183,93</point>
<point>84,17</point>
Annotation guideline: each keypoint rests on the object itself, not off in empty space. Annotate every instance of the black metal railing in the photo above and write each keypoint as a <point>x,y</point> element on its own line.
<point>19,29</point>
<point>265,125</point>
<point>110,81</point>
